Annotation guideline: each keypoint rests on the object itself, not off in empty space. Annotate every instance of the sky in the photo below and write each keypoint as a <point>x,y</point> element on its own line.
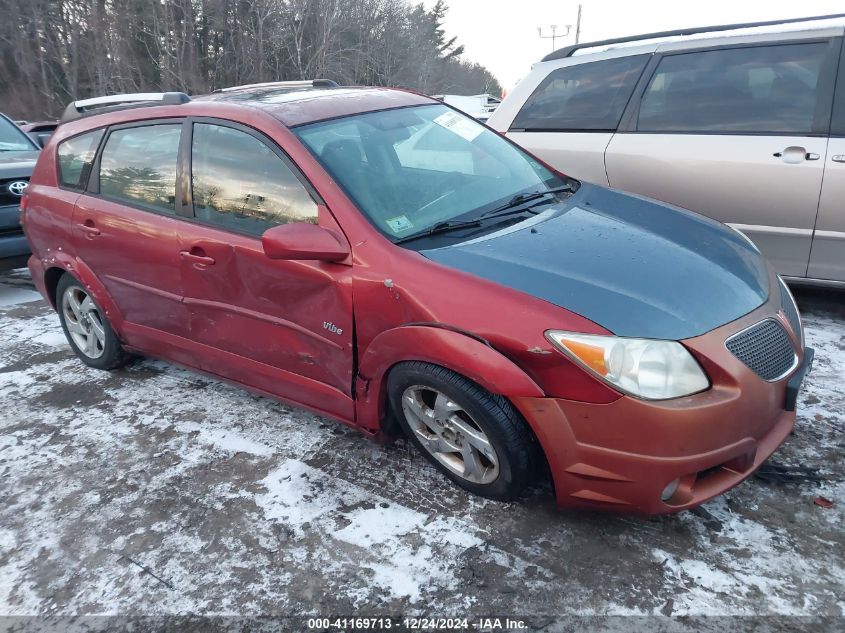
<point>502,34</point>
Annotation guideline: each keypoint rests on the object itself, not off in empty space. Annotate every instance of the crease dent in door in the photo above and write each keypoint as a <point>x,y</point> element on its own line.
<point>289,314</point>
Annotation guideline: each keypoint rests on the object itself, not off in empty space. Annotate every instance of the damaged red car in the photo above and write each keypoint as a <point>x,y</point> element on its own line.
<point>386,261</point>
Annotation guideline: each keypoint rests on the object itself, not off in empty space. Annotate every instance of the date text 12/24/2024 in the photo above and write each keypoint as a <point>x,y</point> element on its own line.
<point>416,624</point>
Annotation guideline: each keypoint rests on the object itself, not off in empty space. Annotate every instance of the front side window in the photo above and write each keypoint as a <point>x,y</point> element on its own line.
<point>408,169</point>
<point>138,165</point>
<point>75,157</point>
<point>586,97</point>
<point>14,139</point>
<point>760,89</point>
<point>239,183</point>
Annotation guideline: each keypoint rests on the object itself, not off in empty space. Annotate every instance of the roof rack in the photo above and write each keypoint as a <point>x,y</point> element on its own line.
<point>568,51</point>
<point>304,83</point>
<point>97,105</point>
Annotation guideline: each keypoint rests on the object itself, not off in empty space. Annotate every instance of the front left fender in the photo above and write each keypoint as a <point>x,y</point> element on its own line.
<point>448,348</point>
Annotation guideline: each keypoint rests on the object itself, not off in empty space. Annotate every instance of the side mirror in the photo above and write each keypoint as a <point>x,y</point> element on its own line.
<point>301,240</point>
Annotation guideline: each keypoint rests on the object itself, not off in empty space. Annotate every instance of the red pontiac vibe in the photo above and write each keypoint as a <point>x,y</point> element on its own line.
<point>378,257</point>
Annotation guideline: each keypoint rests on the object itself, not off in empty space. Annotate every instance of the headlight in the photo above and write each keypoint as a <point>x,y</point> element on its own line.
<point>654,370</point>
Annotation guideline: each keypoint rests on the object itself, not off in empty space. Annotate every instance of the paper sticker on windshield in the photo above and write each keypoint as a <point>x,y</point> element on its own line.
<point>460,125</point>
<point>399,223</point>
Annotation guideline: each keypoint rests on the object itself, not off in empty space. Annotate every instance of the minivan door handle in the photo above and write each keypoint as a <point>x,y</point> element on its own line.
<point>795,154</point>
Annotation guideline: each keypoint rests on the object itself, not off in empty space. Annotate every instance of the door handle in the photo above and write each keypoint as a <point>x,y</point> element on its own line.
<point>839,158</point>
<point>89,228</point>
<point>795,154</point>
<point>197,258</point>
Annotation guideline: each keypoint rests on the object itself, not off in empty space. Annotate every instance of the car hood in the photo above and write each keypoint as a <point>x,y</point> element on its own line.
<point>637,267</point>
<point>17,164</point>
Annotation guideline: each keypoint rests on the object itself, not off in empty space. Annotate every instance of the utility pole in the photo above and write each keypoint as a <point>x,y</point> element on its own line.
<point>578,26</point>
<point>554,34</point>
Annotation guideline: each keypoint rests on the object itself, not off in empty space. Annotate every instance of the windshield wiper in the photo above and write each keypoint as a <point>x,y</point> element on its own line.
<point>521,199</point>
<point>441,227</point>
<point>513,207</point>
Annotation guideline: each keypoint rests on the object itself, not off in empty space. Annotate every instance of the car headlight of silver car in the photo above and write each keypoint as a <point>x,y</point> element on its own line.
<point>645,368</point>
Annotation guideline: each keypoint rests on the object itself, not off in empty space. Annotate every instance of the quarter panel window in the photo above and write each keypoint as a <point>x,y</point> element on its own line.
<point>75,157</point>
<point>239,183</point>
<point>587,97</point>
<point>760,89</point>
<point>138,165</point>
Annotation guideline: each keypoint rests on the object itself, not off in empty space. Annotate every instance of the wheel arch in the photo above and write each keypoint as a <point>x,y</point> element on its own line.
<point>51,283</point>
<point>447,347</point>
<point>66,264</point>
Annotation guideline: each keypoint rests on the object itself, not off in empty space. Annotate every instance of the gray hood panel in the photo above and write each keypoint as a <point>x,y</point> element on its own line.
<point>636,267</point>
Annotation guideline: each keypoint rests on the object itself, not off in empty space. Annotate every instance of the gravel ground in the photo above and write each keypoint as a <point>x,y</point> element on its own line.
<point>154,490</point>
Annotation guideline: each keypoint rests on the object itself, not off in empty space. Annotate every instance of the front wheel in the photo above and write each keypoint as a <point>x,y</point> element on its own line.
<point>474,437</point>
<point>86,326</point>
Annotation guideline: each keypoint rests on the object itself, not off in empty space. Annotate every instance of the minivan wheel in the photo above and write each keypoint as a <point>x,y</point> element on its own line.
<point>474,437</point>
<point>86,327</point>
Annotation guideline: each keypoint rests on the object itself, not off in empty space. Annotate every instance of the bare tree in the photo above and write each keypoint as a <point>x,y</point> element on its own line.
<point>54,51</point>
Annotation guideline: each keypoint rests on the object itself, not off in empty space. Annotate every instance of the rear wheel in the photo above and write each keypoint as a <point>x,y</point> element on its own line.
<point>85,324</point>
<point>474,437</point>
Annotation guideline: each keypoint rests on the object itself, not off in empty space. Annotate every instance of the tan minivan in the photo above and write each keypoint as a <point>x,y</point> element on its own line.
<point>742,123</point>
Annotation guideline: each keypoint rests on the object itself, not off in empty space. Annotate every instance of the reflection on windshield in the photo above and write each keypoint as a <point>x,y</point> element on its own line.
<point>12,138</point>
<point>412,168</point>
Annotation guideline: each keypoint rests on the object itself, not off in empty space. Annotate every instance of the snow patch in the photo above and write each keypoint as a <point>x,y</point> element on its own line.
<point>231,442</point>
<point>13,295</point>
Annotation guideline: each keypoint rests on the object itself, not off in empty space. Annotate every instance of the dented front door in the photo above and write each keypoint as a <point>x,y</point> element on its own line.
<point>282,326</point>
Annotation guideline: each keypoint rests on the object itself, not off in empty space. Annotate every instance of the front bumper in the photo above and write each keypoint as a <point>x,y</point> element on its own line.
<point>622,455</point>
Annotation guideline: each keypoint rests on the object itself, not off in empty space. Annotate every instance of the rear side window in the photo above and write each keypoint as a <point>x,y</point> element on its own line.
<point>760,89</point>
<point>75,157</point>
<point>239,183</point>
<point>588,97</point>
<point>138,165</point>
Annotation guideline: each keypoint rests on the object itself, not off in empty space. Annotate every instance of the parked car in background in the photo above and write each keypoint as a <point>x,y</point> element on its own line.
<point>18,153</point>
<point>504,316</point>
<point>40,131</point>
<point>479,107</point>
<point>743,123</point>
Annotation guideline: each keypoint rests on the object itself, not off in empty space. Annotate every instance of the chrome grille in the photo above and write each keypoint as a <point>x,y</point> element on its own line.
<point>765,348</point>
<point>788,304</point>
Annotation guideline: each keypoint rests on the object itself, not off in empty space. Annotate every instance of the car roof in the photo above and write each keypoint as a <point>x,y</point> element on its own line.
<point>698,37</point>
<point>298,106</point>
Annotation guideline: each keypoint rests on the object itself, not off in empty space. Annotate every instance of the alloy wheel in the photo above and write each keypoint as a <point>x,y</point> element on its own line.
<point>83,321</point>
<point>450,434</point>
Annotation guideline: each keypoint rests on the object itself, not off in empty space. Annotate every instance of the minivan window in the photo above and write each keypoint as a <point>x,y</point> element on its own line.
<point>588,97</point>
<point>409,169</point>
<point>239,183</point>
<point>75,157</point>
<point>759,89</point>
<point>138,165</point>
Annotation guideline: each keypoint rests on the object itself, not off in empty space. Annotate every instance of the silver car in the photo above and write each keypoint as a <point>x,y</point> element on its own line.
<point>742,123</point>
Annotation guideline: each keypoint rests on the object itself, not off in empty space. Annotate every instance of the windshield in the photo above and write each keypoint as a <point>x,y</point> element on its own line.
<point>410,169</point>
<point>12,138</point>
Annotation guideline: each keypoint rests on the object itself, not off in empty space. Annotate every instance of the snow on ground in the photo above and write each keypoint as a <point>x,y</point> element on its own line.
<point>159,491</point>
<point>11,295</point>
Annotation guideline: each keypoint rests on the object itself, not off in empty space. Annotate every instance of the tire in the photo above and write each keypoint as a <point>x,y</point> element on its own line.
<point>86,327</point>
<point>448,417</point>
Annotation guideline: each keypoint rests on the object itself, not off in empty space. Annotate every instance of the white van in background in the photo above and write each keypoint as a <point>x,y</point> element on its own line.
<point>743,123</point>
